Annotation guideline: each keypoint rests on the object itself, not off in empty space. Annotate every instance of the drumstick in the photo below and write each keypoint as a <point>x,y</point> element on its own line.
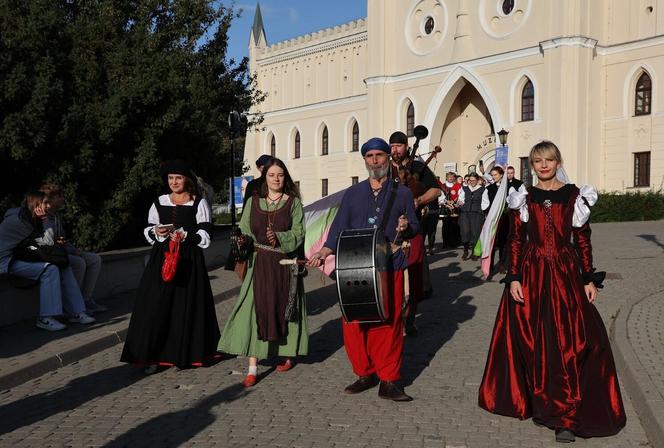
<point>287,261</point>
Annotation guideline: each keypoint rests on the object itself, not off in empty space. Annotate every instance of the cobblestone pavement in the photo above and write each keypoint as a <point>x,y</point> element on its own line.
<point>647,338</point>
<point>101,402</point>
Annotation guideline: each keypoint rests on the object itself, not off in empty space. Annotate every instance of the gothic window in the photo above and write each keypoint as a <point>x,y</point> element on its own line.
<point>296,155</point>
<point>273,147</point>
<point>528,102</point>
<point>356,138</point>
<point>643,95</point>
<point>324,142</point>
<point>508,6</point>
<point>410,120</point>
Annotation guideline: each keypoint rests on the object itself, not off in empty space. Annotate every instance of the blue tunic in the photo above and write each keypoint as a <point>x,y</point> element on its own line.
<point>360,209</point>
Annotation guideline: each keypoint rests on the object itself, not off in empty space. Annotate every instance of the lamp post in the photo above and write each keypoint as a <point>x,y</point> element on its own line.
<point>233,127</point>
<point>502,136</point>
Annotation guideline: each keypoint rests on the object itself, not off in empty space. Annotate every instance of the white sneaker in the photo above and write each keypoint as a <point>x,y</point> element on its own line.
<point>93,307</point>
<point>81,318</point>
<point>50,324</point>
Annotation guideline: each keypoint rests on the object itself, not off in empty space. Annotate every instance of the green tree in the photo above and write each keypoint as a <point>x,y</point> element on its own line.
<point>95,94</point>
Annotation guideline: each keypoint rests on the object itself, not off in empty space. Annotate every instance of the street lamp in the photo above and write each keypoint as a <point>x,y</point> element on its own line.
<point>502,136</point>
<point>234,128</point>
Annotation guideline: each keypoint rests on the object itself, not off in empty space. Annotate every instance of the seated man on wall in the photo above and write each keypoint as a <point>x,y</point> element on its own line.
<point>86,265</point>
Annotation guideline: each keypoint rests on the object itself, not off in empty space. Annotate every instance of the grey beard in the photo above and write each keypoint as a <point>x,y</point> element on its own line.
<point>378,173</point>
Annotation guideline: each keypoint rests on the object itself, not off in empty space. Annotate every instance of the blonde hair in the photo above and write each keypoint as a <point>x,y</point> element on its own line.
<point>545,148</point>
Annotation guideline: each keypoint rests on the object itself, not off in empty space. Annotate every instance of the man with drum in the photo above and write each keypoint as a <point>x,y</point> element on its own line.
<point>422,184</point>
<point>375,349</point>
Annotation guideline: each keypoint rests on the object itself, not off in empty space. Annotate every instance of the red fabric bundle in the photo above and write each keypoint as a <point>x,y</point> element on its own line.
<point>171,258</point>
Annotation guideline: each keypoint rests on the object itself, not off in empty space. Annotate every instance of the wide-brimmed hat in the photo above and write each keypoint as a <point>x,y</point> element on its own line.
<point>176,167</point>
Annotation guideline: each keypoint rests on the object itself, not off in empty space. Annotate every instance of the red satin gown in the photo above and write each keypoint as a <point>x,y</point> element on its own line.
<point>550,357</point>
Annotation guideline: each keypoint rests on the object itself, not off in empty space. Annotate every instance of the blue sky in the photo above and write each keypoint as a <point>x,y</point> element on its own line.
<point>285,19</point>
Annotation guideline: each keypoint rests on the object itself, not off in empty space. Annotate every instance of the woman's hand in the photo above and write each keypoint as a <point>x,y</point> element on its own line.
<point>516,292</point>
<point>40,212</point>
<point>402,224</point>
<point>272,237</point>
<point>591,291</point>
<point>162,231</point>
<point>178,235</point>
<point>319,257</point>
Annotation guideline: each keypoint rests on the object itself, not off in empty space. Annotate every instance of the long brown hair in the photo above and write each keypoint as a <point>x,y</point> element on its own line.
<point>289,186</point>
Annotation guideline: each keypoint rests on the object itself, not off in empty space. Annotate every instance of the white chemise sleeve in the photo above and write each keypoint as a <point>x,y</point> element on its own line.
<point>202,216</point>
<point>587,198</point>
<point>153,221</point>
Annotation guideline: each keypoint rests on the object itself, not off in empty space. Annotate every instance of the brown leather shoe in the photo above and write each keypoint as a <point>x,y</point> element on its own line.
<point>465,255</point>
<point>363,383</point>
<point>390,391</point>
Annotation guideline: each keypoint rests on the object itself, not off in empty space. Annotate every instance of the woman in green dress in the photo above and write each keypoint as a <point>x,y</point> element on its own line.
<point>270,317</point>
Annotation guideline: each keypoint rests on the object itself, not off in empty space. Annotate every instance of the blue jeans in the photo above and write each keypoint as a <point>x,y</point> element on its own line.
<point>54,286</point>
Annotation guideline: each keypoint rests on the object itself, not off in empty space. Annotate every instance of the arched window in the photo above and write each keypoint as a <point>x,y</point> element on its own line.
<point>410,119</point>
<point>296,154</point>
<point>643,95</point>
<point>324,142</point>
<point>528,102</point>
<point>273,146</point>
<point>356,138</point>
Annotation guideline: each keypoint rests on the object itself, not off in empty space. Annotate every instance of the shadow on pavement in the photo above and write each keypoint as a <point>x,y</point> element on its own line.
<point>34,408</point>
<point>32,338</point>
<point>174,429</point>
<point>439,320</point>
<point>653,239</point>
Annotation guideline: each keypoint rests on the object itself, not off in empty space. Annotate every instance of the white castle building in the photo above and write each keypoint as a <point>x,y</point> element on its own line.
<point>585,74</point>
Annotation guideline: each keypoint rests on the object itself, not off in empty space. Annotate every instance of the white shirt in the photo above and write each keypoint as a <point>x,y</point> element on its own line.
<point>202,215</point>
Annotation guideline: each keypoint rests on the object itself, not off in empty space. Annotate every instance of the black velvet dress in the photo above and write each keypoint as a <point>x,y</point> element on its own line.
<point>174,323</point>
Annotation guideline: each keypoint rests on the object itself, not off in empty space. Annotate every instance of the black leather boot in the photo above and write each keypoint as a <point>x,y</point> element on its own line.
<point>363,383</point>
<point>390,391</point>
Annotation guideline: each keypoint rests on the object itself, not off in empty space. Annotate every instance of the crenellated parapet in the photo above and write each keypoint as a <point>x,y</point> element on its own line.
<point>321,41</point>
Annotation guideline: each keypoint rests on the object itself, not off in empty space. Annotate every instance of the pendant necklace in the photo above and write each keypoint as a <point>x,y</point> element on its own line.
<point>274,203</point>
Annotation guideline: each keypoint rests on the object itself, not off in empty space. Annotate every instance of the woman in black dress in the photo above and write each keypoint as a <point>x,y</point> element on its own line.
<point>174,323</point>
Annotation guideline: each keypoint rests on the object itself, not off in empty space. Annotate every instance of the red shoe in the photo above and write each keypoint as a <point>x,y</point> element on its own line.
<point>286,366</point>
<point>249,381</point>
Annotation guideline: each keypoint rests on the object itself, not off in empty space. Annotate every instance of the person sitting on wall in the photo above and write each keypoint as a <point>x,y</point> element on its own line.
<point>85,265</point>
<point>57,285</point>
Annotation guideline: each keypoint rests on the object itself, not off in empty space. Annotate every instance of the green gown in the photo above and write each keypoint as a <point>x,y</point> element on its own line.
<point>240,335</point>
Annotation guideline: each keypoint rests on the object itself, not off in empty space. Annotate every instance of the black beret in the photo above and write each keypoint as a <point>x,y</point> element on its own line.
<point>398,137</point>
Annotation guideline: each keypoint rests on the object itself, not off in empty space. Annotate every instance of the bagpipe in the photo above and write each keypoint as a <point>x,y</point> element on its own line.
<point>411,177</point>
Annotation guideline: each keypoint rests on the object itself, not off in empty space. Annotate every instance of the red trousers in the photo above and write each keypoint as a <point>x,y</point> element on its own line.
<point>416,268</point>
<point>377,347</point>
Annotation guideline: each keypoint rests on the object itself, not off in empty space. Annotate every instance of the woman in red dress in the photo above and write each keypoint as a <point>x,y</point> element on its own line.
<point>550,357</point>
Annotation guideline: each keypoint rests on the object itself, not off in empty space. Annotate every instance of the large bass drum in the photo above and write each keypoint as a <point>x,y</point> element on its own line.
<point>361,268</point>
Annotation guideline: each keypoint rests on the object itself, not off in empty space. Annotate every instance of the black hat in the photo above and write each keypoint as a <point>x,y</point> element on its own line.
<point>176,167</point>
<point>398,137</point>
<point>263,160</point>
